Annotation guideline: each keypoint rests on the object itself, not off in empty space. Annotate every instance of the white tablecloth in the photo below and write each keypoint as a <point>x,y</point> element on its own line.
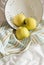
<point>34,55</point>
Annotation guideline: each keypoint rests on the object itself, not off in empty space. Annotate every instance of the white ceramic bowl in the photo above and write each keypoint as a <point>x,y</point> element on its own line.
<point>28,7</point>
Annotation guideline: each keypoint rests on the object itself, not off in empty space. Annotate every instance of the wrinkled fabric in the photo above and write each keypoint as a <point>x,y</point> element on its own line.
<point>34,55</point>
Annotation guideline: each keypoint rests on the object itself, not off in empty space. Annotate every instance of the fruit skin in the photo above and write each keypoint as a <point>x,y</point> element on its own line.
<point>30,23</point>
<point>22,32</point>
<point>18,19</point>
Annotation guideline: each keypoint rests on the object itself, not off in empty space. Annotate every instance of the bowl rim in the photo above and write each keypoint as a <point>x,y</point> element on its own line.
<point>16,26</point>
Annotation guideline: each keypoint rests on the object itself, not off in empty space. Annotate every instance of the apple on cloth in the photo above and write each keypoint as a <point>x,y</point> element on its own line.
<point>24,33</point>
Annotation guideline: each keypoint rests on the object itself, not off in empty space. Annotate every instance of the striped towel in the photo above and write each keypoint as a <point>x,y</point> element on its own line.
<point>33,56</point>
<point>9,44</point>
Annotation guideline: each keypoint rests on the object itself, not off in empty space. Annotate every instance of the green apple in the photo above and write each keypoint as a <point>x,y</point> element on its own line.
<point>18,19</point>
<point>22,32</point>
<point>30,23</point>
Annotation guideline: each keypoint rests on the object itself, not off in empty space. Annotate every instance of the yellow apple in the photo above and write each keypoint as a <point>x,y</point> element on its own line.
<point>22,32</point>
<point>30,23</point>
<point>18,19</point>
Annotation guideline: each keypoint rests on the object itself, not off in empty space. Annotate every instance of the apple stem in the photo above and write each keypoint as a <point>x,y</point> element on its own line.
<point>24,22</point>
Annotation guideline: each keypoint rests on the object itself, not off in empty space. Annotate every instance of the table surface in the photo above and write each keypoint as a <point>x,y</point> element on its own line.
<point>2,18</point>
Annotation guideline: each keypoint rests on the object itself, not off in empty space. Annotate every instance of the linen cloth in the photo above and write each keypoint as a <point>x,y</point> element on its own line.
<point>35,54</point>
